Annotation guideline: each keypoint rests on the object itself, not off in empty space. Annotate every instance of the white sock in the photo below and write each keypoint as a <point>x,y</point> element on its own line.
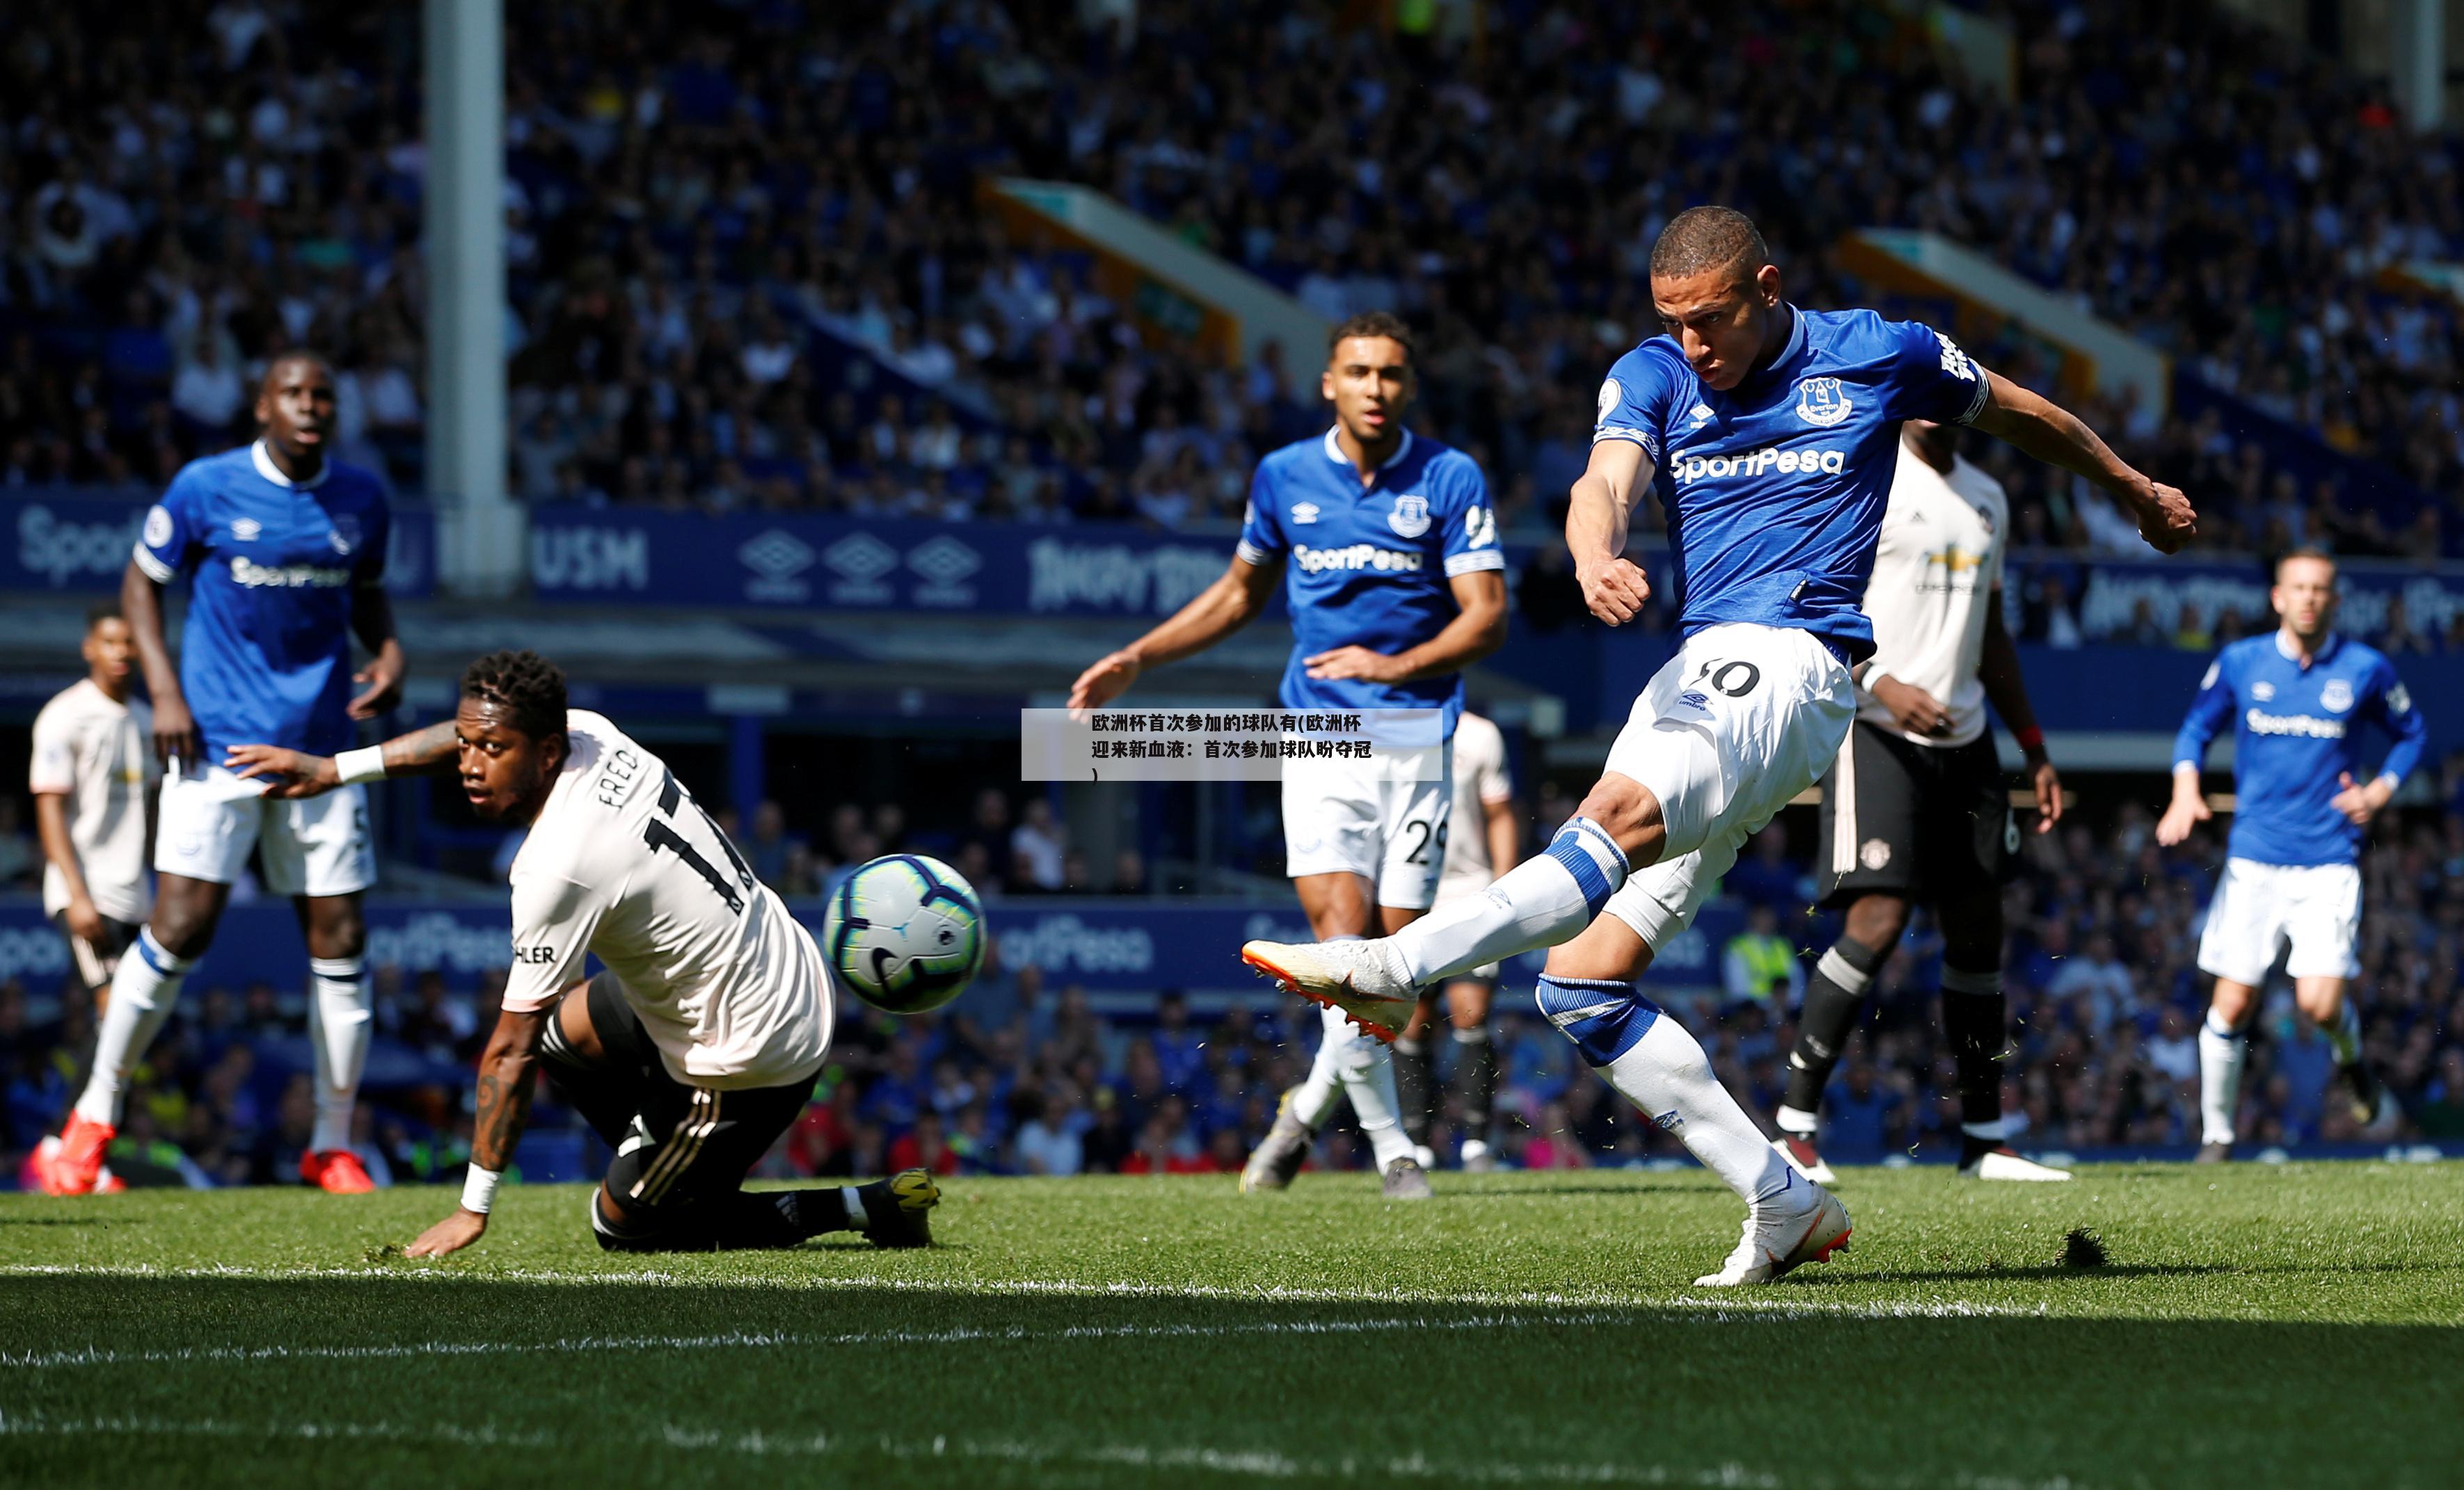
<point>1538,902</point>
<point>1474,1149</point>
<point>339,1022</point>
<point>1797,1122</point>
<point>1654,1063</point>
<point>857,1220</point>
<point>143,990</point>
<point>2220,1056</point>
<point>2344,1034</point>
<point>1314,1100</point>
<point>1352,1064</point>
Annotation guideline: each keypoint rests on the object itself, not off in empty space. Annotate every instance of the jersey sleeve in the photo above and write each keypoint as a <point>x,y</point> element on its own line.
<point>1261,526</point>
<point>174,532</point>
<point>2209,711</point>
<point>53,771</point>
<point>1634,403</point>
<point>2391,706</point>
<point>1930,378</point>
<point>1471,523</point>
<point>554,920</point>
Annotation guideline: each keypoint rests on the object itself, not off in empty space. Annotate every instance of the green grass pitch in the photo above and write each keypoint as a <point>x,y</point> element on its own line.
<point>2254,1326</point>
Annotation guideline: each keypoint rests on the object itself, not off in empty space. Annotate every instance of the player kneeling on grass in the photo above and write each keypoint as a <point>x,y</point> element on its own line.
<point>701,1043</point>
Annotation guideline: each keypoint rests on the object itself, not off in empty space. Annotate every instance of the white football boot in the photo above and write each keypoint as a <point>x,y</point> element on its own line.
<point>2007,1163</point>
<point>1361,978</point>
<point>1803,1223</point>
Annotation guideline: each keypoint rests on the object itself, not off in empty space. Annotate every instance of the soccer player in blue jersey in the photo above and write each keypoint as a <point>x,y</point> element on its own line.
<point>1773,435</point>
<point>285,552</point>
<point>1387,547</point>
<point>2292,887</point>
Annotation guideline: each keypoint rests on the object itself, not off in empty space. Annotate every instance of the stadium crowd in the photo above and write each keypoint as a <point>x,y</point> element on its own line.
<point>1023,1075</point>
<point>706,207</point>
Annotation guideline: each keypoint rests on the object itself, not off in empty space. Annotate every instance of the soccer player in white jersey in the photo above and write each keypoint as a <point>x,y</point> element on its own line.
<point>1387,548</point>
<point>698,1044</point>
<point>1916,807</point>
<point>1773,435</point>
<point>2291,886</point>
<point>1484,835</point>
<point>285,550</point>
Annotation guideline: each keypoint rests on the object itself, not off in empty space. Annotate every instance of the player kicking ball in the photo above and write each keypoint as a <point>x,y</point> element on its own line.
<point>285,551</point>
<point>1914,808</point>
<point>701,1041</point>
<point>2291,886</point>
<point>1388,551</point>
<point>1774,434</point>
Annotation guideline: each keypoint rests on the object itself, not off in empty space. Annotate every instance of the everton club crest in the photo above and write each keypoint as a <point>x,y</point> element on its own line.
<point>1410,518</point>
<point>1821,401</point>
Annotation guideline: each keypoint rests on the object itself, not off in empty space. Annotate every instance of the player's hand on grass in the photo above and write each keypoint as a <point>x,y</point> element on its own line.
<point>1614,589</point>
<point>2047,785</point>
<point>1918,711</point>
<point>1107,680</point>
<point>288,773</point>
<point>1354,662</point>
<point>85,922</point>
<point>450,1234</point>
<point>2188,809</point>
<point>175,731</point>
<point>2361,803</point>
<point>2165,519</point>
<point>383,675</point>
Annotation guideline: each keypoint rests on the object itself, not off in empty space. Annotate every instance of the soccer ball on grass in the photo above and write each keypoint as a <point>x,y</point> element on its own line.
<point>905,931</point>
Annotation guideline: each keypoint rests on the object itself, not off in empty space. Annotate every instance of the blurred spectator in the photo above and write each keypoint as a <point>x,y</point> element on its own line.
<point>1759,963</point>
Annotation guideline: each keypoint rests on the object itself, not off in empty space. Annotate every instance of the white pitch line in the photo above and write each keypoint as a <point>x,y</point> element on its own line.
<point>1715,1303</point>
<point>1249,1463</point>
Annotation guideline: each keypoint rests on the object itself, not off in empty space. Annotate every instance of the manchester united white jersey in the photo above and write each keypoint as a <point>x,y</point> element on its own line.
<point>1936,569</point>
<point>1479,778</point>
<point>94,752</point>
<point>624,863</point>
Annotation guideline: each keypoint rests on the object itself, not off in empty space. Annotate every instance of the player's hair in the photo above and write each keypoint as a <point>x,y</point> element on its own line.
<point>296,354</point>
<point>1371,323</point>
<point>1703,239</point>
<point>529,687</point>
<point>101,611</point>
<point>2305,551</point>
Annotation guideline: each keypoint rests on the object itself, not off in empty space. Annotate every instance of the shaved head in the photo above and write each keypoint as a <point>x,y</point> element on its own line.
<point>272,377</point>
<point>1703,240</point>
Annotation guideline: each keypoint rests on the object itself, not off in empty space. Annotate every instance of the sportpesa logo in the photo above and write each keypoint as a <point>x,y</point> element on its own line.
<point>1354,555</point>
<point>2303,725</point>
<point>1762,462</point>
<point>288,577</point>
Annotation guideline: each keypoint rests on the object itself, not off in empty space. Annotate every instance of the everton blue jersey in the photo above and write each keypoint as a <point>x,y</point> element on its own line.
<point>265,657</point>
<point>2295,734</point>
<point>1368,565</point>
<point>1774,490</point>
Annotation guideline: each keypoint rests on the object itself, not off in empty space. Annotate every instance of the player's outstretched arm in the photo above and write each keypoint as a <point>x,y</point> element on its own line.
<point>175,729</point>
<point>1600,506</point>
<point>1232,602</point>
<point>432,750</point>
<point>2056,436</point>
<point>372,623</point>
<point>508,1070</point>
<point>1998,669</point>
<point>2209,711</point>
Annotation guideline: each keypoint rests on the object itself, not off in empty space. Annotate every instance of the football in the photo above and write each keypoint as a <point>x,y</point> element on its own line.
<point>906,932</point>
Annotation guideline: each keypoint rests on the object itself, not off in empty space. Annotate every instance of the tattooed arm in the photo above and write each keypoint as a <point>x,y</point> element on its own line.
<point>508,1070</point>
<point>432,750</point>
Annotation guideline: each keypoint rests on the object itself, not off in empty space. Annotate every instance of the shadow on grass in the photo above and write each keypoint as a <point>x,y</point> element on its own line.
<point>67,1220</point>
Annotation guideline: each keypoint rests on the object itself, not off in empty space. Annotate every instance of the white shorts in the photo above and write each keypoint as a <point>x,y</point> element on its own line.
<point>2261,907</point>
<point>1727,733</point>
<point>317,847</point>
<point>1346,817</point>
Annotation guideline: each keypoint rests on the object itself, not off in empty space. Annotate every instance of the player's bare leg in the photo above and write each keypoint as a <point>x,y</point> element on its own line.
<point>1541,902</point>
<point>2329,1005</point>
<point>1348,1063</point>
<point>340,1020</point>
<point>1589,994</point>
<point>2224,1043</point>
<point>144,988</point>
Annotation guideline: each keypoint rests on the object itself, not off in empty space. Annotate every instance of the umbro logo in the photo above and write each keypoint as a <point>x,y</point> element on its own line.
<point>246,528</point>
<point>1304,512</point>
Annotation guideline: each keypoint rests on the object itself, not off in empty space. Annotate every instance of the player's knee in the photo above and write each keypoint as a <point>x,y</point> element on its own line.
<point>1879,921</point>
<point>619,1230</point>
<point>1626,810</point>
<point>185,915</point>
<point>336,928</point>
<point>1607,948</point>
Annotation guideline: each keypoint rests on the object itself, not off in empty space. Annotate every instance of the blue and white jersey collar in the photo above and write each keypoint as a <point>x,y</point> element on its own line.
<point>266,467</point>
<point>1334,450</point>
<point>1789,350</point>
<point>2327,646</point>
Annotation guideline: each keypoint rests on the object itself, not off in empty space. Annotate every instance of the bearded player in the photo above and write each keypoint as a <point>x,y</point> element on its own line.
<point>1773,435</point>
<point>701,1043</point>
<point>1387,548</point>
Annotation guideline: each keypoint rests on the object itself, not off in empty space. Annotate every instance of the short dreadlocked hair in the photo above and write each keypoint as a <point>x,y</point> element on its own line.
<point>527,687</point>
